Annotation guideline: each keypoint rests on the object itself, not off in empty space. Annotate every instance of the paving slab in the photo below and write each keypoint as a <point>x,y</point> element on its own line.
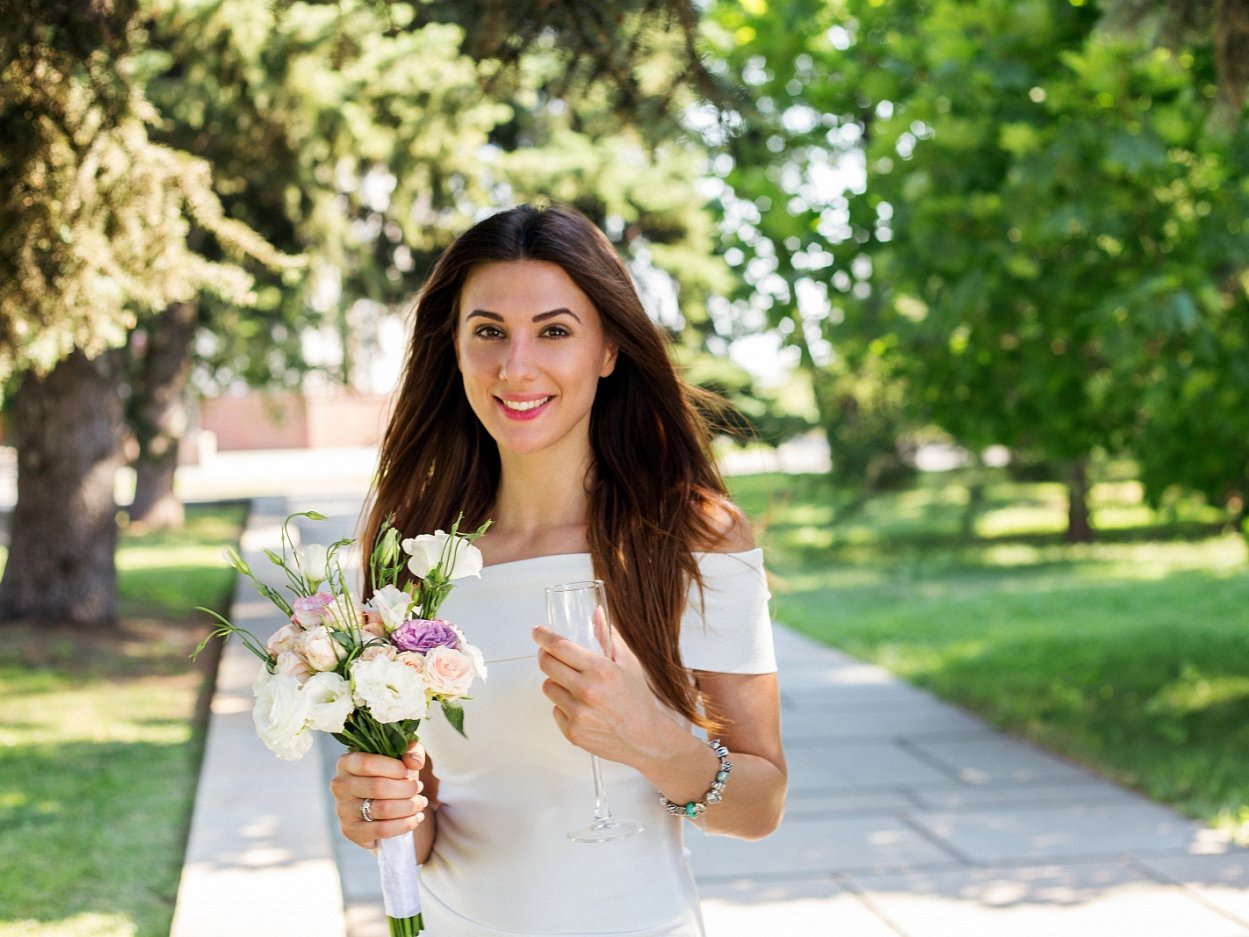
<point>1219,879</point>
<point>905,717</point>
<point>806,845</point>
<point>1008,795</point>
<point>1076,831</point>
<point>807,802</point>
<point>993,757</point>
<point>858,764</point>
<point>797,908</point>
<point>1105,899</point>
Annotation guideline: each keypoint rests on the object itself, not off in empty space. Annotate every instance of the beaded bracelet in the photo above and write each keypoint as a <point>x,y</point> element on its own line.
<point>713,795</point>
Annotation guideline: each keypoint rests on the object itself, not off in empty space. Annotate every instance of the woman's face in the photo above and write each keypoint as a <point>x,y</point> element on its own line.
<point>531,350</point>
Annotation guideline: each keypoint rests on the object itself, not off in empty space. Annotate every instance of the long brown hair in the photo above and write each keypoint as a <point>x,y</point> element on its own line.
<point>656,496</point>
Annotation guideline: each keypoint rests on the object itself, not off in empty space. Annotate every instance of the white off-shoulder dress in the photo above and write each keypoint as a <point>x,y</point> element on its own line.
<point>502,864</point>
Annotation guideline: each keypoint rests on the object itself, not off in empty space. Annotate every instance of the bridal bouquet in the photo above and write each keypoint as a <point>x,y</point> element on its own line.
<point>366,672</point>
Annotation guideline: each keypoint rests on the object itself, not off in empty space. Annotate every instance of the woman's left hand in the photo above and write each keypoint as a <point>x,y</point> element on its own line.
<point>602,704</point>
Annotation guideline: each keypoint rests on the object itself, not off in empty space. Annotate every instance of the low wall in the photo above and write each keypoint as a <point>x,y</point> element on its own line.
<point>295,421</point>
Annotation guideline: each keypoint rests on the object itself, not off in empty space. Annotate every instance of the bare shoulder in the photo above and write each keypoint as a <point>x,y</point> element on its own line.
<point>728,529</point>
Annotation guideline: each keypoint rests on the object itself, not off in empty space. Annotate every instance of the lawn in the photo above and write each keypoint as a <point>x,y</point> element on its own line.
<point>100,740</point>
<point>1130,655</point>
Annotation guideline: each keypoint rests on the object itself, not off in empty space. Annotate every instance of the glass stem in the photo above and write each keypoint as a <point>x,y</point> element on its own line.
<point>602,810</point>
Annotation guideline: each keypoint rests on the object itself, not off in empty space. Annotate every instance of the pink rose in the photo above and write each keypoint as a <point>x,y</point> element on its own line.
<point>319,649</point>
<point>412,659</point>
<point>283,639</point>
<point>373,626</point>
<point>309,609</point>
<point>374,651</point>
<point>448,672</point>
<point>292,664</point>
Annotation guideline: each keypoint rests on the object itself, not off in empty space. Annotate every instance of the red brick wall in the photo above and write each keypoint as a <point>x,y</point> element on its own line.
<point>295,421</point>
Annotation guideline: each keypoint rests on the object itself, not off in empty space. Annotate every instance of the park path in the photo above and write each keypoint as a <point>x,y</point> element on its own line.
<point>906,818</point>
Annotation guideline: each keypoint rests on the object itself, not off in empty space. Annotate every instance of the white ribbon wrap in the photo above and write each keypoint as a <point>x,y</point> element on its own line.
<point>396,860</point>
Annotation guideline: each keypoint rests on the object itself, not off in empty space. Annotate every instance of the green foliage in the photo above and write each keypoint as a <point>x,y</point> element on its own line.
<point>366,135</point>
<point>95,216</point>
<point>1038,238</point>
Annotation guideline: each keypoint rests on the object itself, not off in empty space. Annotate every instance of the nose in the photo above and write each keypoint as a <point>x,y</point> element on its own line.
<point>517,364</point>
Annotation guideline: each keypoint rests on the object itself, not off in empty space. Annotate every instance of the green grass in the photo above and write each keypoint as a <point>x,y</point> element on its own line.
<point>100,743</point>
<point>1130,655</point>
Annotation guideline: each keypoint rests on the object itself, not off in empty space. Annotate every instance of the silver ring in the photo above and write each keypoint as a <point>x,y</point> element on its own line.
<point>366,809</point>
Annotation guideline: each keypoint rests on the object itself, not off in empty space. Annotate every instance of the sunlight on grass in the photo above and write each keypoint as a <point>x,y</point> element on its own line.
<point>79,925</point>
<point>155,711</point>
<point>136,556</point>
<point>1220,555</point>
<point>1022,519</point>
<point>98,747</point>
<point>1194,690</point>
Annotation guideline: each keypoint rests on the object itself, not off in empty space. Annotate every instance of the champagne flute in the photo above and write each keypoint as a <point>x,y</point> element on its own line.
<point>578,611</point>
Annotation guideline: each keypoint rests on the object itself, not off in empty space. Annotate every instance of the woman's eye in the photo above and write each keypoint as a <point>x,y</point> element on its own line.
<point>488,331</point>
<point>556,331</point>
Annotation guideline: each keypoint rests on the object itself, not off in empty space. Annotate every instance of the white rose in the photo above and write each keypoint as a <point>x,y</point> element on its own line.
<point>392,604</point>
<point>425,552</point>
<point>329,702</point>
<point>318,648</point>
<point>280,715</point>
<point>392,691</point>
<point>476,658</point>
<point>313,561</point>
<point>343,613</point>
<point>427,549</point>
<point>466,560</point>
<point>448,673</point>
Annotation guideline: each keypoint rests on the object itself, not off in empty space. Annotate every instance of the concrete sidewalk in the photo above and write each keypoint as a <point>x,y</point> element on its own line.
<point>907,818</point>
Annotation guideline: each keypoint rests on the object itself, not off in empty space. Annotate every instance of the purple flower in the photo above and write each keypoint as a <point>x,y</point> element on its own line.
<point>420,634</point>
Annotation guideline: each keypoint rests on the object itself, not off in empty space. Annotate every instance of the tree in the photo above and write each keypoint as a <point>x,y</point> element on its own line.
<point>1043,205</point>
<point>800,228</point>
<point>93,232</point>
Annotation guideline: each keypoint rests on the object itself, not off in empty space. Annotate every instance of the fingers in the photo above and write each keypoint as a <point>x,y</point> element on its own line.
<point>563,649</point>
<point>393,789</point>
<point>414,758</point>
<point>364,764</point>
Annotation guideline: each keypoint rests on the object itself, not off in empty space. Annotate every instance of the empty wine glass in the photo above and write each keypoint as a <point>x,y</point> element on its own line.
<point>578,611</point>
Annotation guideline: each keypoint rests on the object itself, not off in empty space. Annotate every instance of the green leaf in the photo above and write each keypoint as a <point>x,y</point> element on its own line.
<point>455,715</point>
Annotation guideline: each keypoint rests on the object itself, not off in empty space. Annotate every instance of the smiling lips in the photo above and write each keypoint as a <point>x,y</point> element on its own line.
<point>524,409</point>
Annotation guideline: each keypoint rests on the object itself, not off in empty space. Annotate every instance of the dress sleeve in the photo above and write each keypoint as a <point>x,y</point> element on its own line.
<point>728,629</point>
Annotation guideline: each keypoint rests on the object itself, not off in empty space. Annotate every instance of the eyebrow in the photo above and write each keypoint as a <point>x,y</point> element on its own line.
<point>540,317</point>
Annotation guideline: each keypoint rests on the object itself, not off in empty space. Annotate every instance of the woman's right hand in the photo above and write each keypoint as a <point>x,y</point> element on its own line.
<point>392,785</point>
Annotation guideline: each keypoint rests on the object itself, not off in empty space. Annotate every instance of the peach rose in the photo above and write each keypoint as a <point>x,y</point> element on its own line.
<point>448,672</point>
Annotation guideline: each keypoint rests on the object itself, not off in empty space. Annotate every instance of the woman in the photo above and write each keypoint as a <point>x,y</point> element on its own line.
<point>538,394</point>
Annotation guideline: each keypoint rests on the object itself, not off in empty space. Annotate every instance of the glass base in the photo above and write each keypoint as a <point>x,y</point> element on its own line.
<point>604,831</point>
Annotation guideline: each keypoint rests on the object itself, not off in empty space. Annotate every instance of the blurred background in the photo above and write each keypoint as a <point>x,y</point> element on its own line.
<point>973,273</point>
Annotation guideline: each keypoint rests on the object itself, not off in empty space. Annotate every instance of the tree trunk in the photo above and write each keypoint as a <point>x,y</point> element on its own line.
<point>158,415</point>
<point>1079,525</point>
<point>67,431</point>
